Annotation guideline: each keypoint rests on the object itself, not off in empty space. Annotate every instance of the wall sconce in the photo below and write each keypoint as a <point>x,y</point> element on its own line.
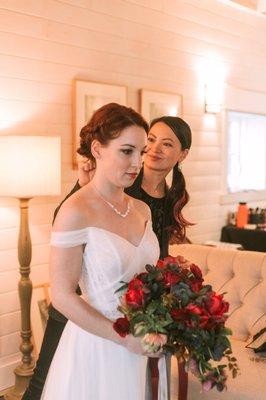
<point>29,166</point>
<point>213,97</point>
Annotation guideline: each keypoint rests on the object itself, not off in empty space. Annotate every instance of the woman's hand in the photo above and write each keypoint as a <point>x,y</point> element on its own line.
<point>86,170</point>
<point>134,345</point>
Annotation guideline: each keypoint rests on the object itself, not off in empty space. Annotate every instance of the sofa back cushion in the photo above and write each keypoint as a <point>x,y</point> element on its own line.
<point>242,275</point>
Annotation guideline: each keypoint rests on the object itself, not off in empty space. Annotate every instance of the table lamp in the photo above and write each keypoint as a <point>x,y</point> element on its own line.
<point>29,166</point>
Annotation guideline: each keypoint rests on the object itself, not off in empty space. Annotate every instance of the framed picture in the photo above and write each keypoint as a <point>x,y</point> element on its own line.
<point>39,314</point>
<point>156,104</point>
<point>87,98</point>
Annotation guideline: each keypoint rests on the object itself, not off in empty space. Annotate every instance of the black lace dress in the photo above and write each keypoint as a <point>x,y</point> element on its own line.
<point>157,207</point>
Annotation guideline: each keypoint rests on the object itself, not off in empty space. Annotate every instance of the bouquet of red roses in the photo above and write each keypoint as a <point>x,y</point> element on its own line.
<point>171,310</point>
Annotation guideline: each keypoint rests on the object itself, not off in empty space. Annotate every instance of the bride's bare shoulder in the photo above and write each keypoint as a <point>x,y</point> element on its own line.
<point>142,208</point>
<point>75,212</point>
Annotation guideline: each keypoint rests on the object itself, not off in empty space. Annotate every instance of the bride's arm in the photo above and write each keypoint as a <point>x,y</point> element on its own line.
<point>65,272</point>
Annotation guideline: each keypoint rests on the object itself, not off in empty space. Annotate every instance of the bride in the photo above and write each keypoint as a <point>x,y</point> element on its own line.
<point>101,236</point>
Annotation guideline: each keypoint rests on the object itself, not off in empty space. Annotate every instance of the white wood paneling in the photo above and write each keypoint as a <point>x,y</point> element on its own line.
<point>152,44</point>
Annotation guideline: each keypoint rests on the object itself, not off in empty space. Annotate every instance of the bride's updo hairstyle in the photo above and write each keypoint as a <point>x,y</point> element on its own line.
<point>106,124</point>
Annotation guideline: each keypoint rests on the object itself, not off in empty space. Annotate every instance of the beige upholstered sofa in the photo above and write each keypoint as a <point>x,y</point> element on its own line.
<point>242,274</point>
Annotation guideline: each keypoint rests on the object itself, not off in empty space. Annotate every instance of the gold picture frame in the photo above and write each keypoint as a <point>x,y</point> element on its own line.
<point>155,104</point>
<point>88,96</point>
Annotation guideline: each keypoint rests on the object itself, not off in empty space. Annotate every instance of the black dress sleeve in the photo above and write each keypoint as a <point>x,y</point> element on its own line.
<point>75,189</point>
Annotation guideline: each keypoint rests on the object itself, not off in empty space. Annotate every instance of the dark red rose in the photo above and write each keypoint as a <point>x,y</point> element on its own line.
<point>141,275</point>
<point>135,284</point>
<point>186,273</point>
<point>121,326</point>
<point>216,306</point>
<point>196,271</point>
<point>134,298</point>
<point>196,286</point>
<point>190,323</point>
<point>178,313</point>
<point>204,321</point>
<point>171,278</point>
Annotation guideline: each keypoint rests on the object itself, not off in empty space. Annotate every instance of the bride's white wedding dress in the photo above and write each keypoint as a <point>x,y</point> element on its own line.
<point>85,366</point>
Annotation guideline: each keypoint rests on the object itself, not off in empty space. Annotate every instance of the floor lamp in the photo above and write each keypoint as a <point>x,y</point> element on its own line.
<point>29,166</point>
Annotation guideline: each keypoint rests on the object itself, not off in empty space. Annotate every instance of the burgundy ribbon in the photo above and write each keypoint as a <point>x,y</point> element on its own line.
<point>182,380</point>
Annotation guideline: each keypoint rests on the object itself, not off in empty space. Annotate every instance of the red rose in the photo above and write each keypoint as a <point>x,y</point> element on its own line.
<point>196,271</point>
<point>203,317</point>
<point>160,264</point>
<point>134,298</point>
<point>194,309</point>
<point>171,278</point>
<point>216,306</point>
<point>135,284</point>
<point>121,326</point>
<point>167,260</point>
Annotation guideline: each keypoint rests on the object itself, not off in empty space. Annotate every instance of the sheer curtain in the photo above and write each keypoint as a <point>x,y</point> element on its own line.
<point>246,152</point>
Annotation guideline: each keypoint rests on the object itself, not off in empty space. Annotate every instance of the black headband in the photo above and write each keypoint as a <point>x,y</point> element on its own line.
<point>180,128</point>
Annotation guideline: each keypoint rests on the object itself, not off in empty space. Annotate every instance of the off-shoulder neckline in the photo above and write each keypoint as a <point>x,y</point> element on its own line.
<point>87,228</point>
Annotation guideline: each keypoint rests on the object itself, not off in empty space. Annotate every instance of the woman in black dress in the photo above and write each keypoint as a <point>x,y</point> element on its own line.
<point>169,140</point>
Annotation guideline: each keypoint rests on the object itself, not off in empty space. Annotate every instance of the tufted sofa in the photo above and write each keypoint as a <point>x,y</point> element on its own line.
<point>242,275</point>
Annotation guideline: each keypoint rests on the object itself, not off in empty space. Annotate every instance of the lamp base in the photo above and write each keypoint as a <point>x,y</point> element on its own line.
<point>22,377</point>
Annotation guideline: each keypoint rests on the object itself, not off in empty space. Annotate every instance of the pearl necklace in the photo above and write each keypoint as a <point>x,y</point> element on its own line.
<point>123,215</point>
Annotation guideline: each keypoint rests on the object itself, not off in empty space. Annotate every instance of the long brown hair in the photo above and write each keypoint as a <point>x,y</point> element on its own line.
<point>176,199</point>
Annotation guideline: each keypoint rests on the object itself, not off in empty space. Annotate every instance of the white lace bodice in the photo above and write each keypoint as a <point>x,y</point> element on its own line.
<point>108,259</point>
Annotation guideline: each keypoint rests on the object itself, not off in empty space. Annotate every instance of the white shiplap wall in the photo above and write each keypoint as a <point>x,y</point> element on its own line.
<point>152,44</point>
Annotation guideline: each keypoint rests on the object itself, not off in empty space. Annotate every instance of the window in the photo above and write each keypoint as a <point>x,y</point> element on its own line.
<point>246,151</point>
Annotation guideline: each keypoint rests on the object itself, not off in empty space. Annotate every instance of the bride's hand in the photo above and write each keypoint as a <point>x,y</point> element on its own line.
<point>158,354</point>
<point>134,345</point>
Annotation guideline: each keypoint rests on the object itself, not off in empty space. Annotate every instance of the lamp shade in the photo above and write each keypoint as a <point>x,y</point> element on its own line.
<point>30,166</point>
